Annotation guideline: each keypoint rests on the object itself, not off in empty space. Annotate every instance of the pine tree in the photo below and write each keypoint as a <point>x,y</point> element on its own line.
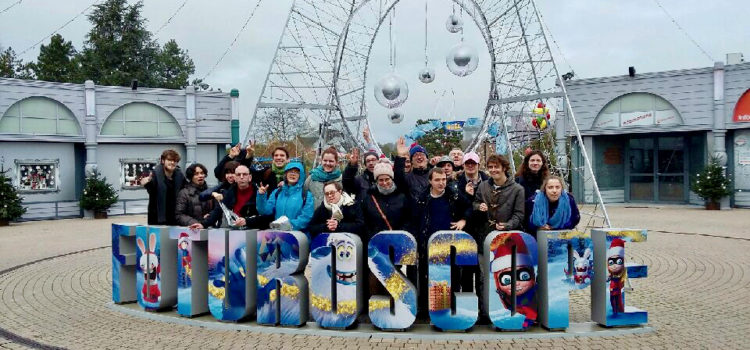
<point>711,184</point>
<point>56,61</point>
<point>438,141</point>
<point>98,195</point>
<point>10,202</point>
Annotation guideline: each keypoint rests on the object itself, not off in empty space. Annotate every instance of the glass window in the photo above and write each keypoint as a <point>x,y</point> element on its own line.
<point>37,175</point>
<point>610,162</point>
<point>133,170</point>
<point>637,109</point>
<point>140,119</point>
<point>39,116</point>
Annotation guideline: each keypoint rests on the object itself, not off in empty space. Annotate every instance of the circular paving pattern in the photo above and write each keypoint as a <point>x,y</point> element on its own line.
<point>697,295</point>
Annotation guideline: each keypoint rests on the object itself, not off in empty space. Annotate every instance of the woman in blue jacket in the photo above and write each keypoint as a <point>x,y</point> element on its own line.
<point>290,200</point>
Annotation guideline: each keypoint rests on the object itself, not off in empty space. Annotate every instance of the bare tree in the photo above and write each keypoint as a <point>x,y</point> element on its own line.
<point>283,125</point>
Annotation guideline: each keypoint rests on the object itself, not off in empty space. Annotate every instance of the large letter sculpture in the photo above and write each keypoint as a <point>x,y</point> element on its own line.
<point>336,263</point>
<point>123,263</point>
<point>565,263</point>
<point>192,270</point>
<point>610,278</point>
<point>399,310</point>
<point>231,284</point>
<point>282,287</point>
<point>155,257</point>
<point>445,314</point>
<point>510,289</point>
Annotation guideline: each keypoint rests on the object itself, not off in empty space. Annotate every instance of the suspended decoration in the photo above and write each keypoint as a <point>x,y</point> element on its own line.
<point>392,90</point>
<point>427,74</point>
<point>455,24</point>
<point>395,116</point>
<point>540,117</point>
<point>462,59</point>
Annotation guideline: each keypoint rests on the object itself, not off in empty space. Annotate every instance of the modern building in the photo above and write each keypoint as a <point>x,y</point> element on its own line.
<point>648,134</point>
<point>53,134</point>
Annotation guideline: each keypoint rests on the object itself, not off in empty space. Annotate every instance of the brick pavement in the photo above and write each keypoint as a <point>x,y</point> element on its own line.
<point>697,293</point>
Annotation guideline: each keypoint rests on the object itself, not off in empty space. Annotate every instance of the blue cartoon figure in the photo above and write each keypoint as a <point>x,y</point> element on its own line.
<point>344,273</point>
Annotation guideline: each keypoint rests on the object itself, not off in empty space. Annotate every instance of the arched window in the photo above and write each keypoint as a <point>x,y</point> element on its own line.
<point>140,119</point>
<point>39,116</point>
<point>637,109</point>
<point>742,109</point>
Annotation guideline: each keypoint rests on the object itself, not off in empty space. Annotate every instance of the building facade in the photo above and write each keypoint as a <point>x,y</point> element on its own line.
<point>53,134</point>
<point>647,135</point>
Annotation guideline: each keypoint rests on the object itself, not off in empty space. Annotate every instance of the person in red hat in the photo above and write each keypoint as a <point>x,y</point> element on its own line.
<point>617,274</point>
<point>501,249</point>
<point>185,259</point>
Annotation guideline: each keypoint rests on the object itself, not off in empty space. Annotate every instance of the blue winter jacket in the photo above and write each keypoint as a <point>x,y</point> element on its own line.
<point>287,201</point>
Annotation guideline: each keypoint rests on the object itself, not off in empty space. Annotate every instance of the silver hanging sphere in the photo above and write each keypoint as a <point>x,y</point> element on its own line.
<point>427,75</point>
<point>391,91</point>
<point>395,116</point>
<point>454,24</point>
<point>462,60</point>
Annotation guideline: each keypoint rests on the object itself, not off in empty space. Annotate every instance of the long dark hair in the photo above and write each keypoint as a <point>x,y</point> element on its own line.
<point>525,172</point>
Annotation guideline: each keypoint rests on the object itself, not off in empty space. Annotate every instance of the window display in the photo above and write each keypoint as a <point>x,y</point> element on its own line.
<point>133,170</point>
<point>37,175</point>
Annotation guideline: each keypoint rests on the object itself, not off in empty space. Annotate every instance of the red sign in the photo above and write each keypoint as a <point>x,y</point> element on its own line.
<point>742,110</point>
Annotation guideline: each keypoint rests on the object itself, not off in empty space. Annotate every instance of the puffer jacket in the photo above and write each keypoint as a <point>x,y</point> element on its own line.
<point>414,182</point>
<point>188,208</point>
<point>505,204</point>
<point>288,201</point>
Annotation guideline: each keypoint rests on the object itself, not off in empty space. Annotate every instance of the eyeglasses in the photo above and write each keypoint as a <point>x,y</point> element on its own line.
<point>330,193</point>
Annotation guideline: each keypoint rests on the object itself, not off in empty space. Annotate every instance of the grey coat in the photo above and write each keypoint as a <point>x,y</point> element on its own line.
<point>505,204</point>
<point>189,209</point>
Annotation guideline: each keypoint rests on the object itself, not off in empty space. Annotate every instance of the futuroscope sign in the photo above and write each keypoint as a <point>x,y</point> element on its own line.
<point>237,275</point>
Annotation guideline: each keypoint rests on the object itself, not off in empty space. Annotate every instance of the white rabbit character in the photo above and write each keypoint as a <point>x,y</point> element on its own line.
<point>149,264</point>
<point>582,267</point>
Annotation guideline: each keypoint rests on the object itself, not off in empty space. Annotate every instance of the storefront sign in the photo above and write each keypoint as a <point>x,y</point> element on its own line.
<point>259,274</point>
<point>637,118</point>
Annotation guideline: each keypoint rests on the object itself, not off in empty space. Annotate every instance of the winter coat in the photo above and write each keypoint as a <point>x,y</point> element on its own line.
<point>575,215</point>
<point>458,206</point>
<point>477,220</point>
<point>357,185</point>
<point>504,204</point>
<point>288,201</point>
<point>157,195</point>
<point>241,158</point>
<point>189,209</point>
<point>316,188</point>
<point>461,182</point>
<point>530,185</point>
<point>396,207</point>
<point>351,223</point>
<point>205,195</point>
<point>248,211</point>
<point>415,181</point>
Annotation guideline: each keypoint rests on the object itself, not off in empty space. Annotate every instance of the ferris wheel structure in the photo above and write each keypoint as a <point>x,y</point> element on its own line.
<point>320,72</point>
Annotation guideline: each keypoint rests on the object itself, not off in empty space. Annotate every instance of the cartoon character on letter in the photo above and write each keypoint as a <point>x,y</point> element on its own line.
<point>185,259</point>
<point>150,266</point>
<point>582,264</point>
<point>345,274</point>
<point>617,274</point>
<point>502,252</point>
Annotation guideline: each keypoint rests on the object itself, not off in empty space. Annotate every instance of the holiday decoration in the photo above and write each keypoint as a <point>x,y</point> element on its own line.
<point>391,91</point>
<point>98,195</point>
<point>462,60</point>
<point>711,184</point>
<point>395,116</point>
<point>454,24</point>
<point>427,75</point>
<point>10,202</point>
<point>541,116</point>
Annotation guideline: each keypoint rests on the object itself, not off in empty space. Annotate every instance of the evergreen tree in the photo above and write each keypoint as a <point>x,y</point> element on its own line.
<point>174,66</point>
<point>438,141</point>
<point>711,184</point>
<point>10,201</point>
<point>98,194</point>
<point>56,61</point>
<point>13,67</point>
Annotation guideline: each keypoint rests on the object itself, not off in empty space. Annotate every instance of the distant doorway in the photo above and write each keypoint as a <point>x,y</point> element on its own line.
<point>656,170</point>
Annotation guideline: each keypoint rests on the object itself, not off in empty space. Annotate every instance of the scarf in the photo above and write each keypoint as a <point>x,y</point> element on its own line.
<point>278,171</point>
<point>386,191</point>
<point>335,208</point>
<point>320,175</point>
<point>540,214</point>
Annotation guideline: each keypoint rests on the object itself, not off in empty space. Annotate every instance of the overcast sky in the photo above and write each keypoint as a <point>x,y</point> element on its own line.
<point>595,37</point>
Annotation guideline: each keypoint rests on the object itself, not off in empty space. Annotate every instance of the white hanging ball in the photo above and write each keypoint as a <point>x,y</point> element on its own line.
<point>462,60</point>
<point>427,75</point>
<point>395,116</point>
<point>391,91</point>
<point>454,24</point>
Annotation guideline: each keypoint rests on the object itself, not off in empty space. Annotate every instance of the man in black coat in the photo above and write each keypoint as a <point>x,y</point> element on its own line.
<point>359,184</point>
<point>240,199</point>
<point>270,176</point>
<point>414,182</point>
<point>163,185</point>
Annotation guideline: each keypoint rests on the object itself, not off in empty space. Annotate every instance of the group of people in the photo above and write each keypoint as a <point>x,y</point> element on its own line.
<point>411,192</point>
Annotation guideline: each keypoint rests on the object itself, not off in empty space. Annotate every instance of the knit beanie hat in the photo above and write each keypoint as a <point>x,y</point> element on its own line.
<point>383,168</point>
<point>416,148</point>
